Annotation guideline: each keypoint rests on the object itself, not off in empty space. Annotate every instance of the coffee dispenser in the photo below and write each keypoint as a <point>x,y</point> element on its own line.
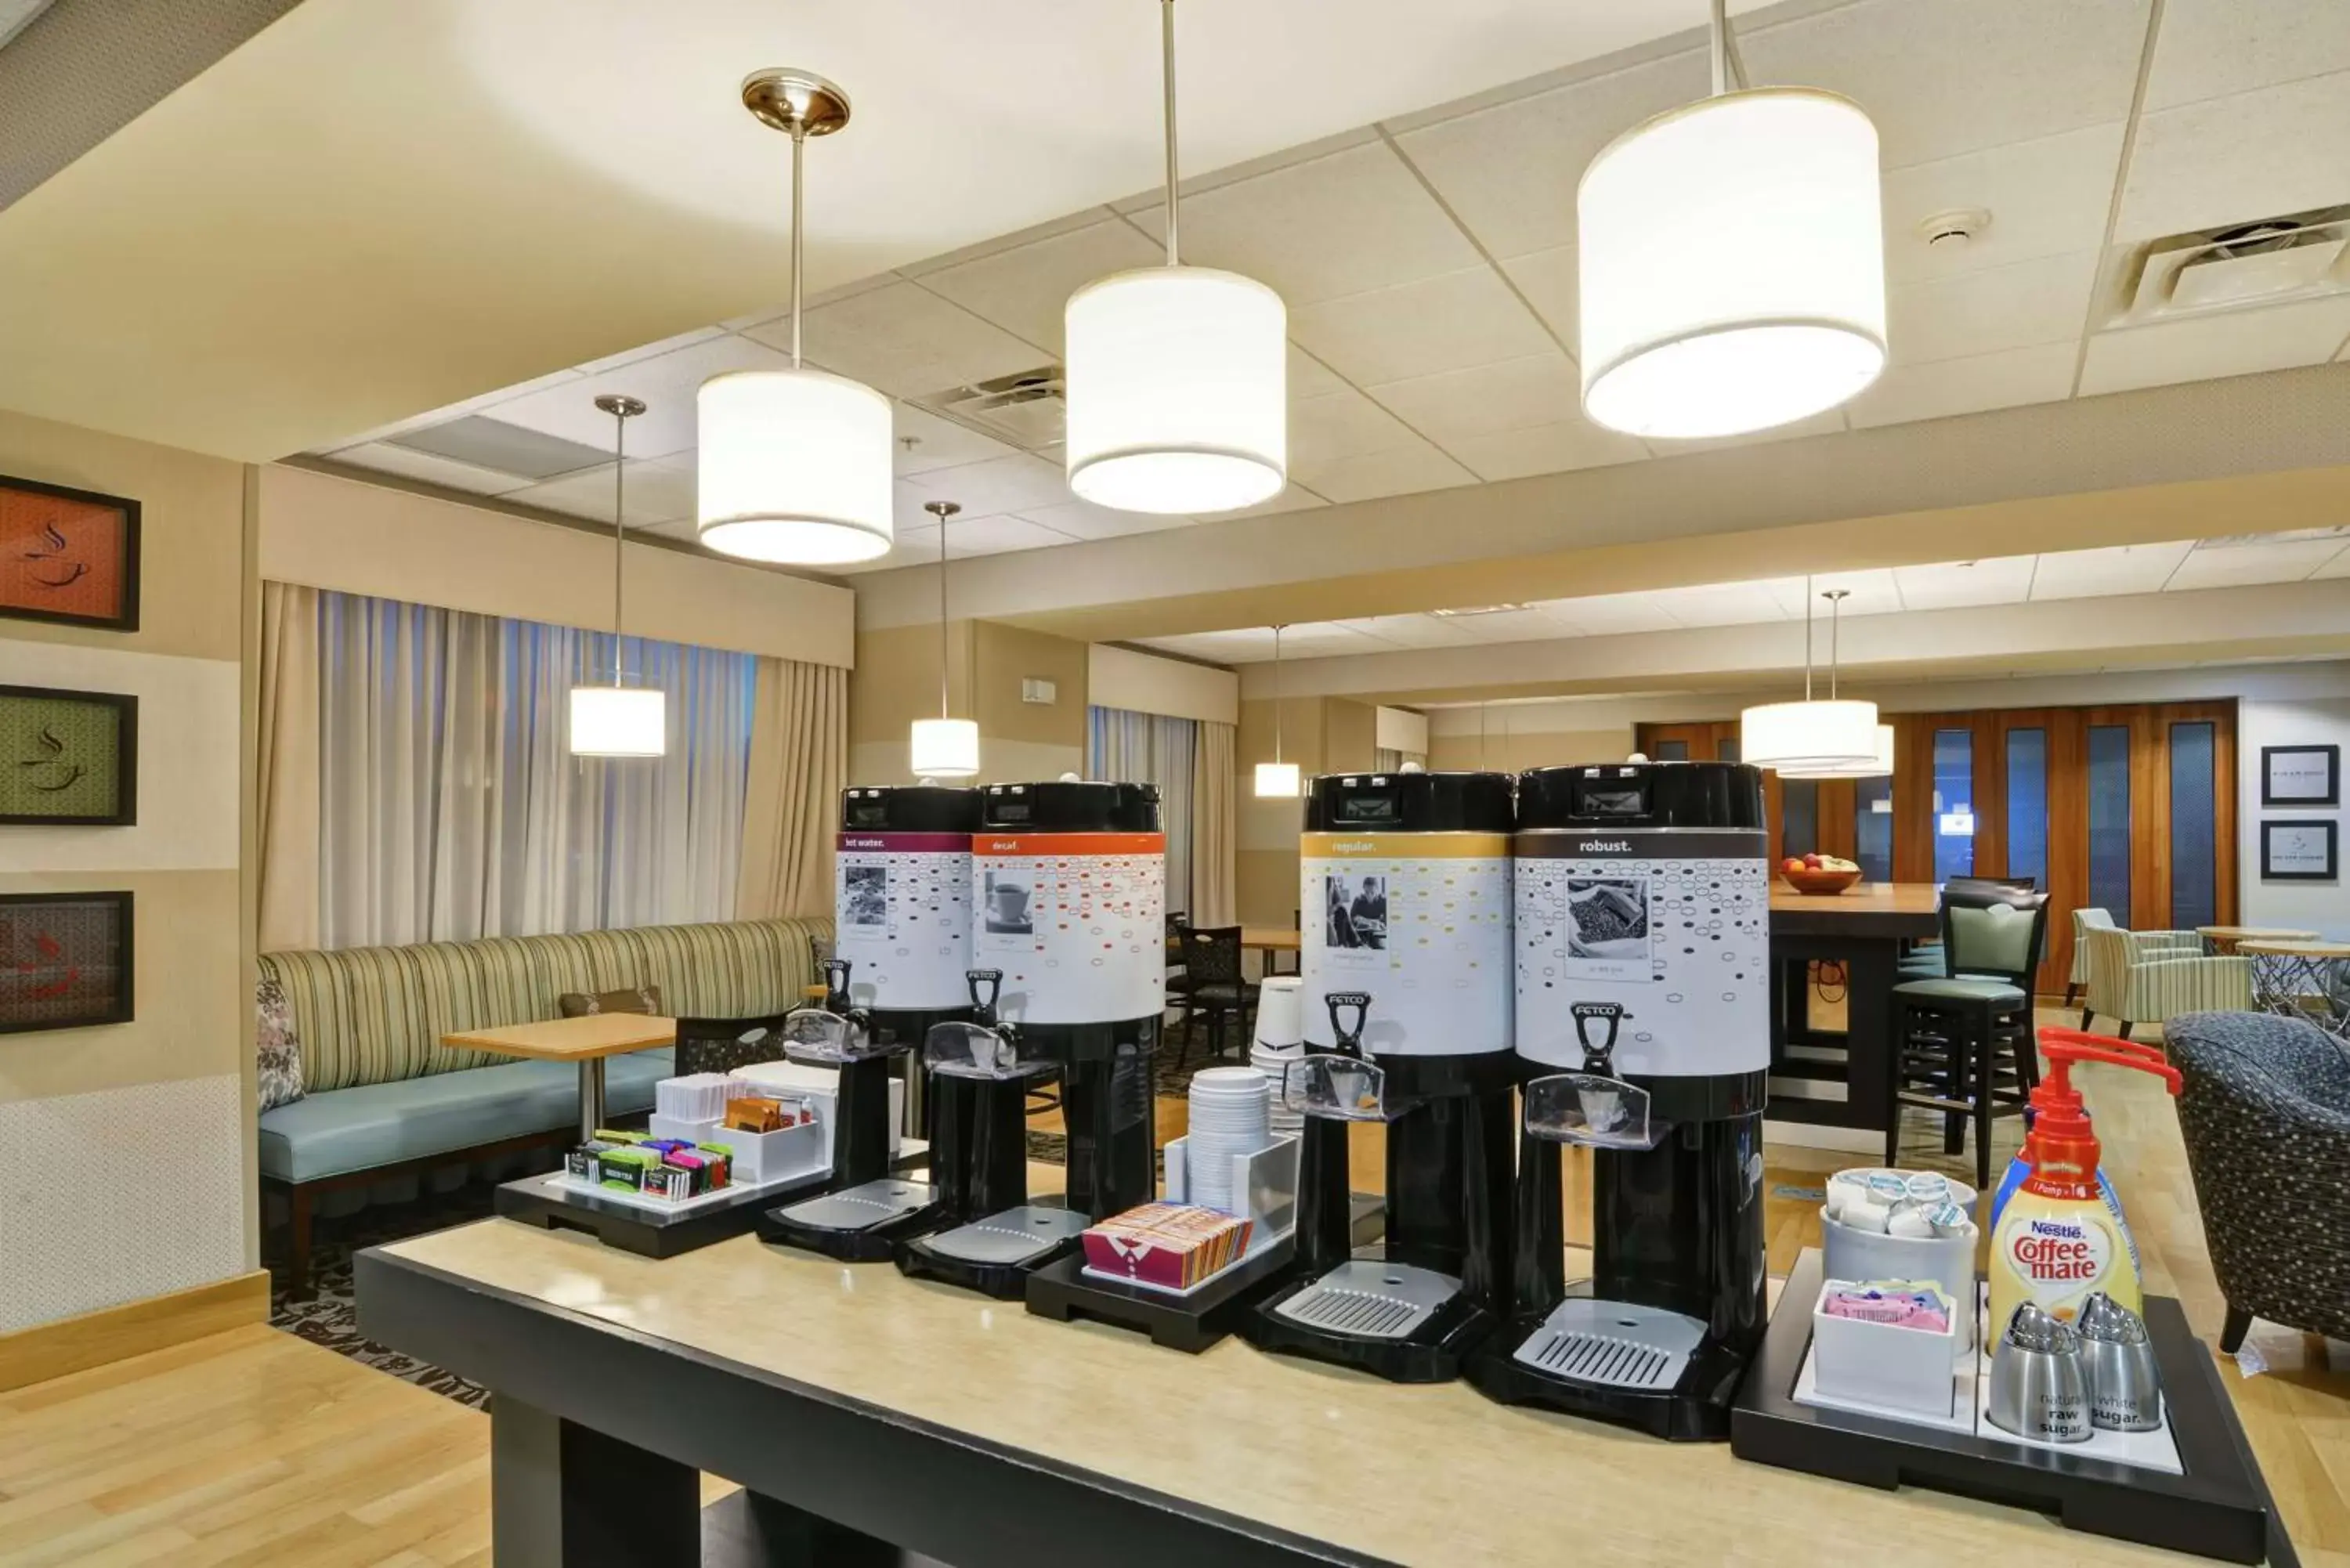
<point>1643,988</point>
<point>901,935</point>
<point>1068,884</point>
<point>1407,1002</point>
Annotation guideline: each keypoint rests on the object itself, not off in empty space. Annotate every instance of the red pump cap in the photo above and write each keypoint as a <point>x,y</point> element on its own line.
<point>2061,1149</point>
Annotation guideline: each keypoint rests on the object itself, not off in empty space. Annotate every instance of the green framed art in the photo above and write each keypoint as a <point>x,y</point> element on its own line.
<point>67,759</point>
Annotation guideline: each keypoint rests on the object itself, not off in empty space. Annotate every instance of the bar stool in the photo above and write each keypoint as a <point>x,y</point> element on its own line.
<point>1962,1044</point>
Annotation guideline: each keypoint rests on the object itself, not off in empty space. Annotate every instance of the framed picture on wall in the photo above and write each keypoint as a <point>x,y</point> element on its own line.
<point>68,555</point>
<point>2300,775</point>
<point>2297,851</point>
<point>65,960</point>
<point>67,759</point>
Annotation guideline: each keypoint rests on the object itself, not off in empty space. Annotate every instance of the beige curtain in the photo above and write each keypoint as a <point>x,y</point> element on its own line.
<point>1215,839</point>
<point>286,770</point>
<point>799,764</point>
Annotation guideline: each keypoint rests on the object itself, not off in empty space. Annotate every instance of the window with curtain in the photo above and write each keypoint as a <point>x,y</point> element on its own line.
<point>450,808</point>
<point>1151,748</point>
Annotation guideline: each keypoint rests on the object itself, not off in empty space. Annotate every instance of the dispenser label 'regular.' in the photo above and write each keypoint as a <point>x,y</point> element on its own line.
<point>1420,921</point>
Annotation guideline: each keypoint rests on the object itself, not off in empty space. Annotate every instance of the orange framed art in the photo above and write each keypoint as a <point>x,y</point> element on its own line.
<point>68,555</point>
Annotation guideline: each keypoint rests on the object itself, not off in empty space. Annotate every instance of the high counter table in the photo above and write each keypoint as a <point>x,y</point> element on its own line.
<point>848,1398</point>
<point>1826,1081</point>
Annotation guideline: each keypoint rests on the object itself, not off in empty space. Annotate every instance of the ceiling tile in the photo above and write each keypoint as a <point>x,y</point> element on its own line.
<point>1084,520</point>
<point>675,528</point>
<point>427,469</point>
<point>2339,567</point>
<point>2233,160</point>
<point>1942,388</point>
<point>2234,343</point>
<point>1405,470</point>
<point>1868,591</point>
<point>1309,378</point>
<point>1959,584</point>
<point>651,350</point>
<point>1829,423</point>
<point>1412,630</point>
<point>447,412</point>
<point>1574,442</point>
<point>1516,394</point>
<point>1526,625</point>
<point>667,384</point>
<point>914,546</point>
<point>998,535</point>
<point>1722,604</point>
<point>1511,171</point>
<point>1948,78</point>
<point>906,341</point>
<point>1340,425</point>
<point>1025,290</point>
<point>1447,322</point>
<point>1607,615</point>
<point>2046,198</point>
<point>940,442</point>
<point>2239,565</point>
<point>656,493</point>
<point>1294,497</point>
<point>999,484</point>
<point>2209,48</point>
<point>2041,301</point>
<point>1248,646</point>
<point>1551,282</point>
<point>2118,569</point>
<point>1323,229</point>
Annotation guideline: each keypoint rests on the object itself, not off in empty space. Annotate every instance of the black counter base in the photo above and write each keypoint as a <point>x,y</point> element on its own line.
<point>1698,1410</point>
<point>646,1232</point>
<point>743,1530</point>
<point>1435,1352</point>
<point>874,1244</point>
<point>1062,1291</point>
<point>2219,1506</point>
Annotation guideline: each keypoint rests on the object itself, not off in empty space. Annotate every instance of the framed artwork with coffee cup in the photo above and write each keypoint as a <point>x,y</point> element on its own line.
<point>2300,775</point>
<point>68,555</point>
<point>67,759</point>
<point>2298,851</point>
<point>65,960</point>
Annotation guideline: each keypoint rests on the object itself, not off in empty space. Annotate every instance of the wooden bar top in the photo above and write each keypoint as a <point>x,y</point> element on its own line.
<point>571,1039</point>
<point>1434,1475</point>
<point>1866,909</point>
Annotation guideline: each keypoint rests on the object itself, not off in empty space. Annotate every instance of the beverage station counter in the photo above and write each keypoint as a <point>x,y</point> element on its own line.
<point>854,1402</point>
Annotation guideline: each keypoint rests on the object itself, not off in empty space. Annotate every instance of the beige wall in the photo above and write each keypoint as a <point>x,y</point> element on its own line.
<point>332,533</point>
<point>160,1109</point>
<point>895,682</point>
<point>1146,684</point>
<point>1516,753</point>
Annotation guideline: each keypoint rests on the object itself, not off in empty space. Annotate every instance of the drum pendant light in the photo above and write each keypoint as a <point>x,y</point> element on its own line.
<point>1278,779</point>
<point>1808,739</point>
<point>1880,765</point>
<point>618,721</point>
<point>1733,262</point>
<point>795,464</point>
<point>944,747</point>
<point>1177,376</point>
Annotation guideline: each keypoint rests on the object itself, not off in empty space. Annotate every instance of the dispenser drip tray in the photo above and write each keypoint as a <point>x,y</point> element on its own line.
<point>1012,1237</point>
<point>1371,1299</point>
<point>1612,1345</point>
<point>862,1208</point>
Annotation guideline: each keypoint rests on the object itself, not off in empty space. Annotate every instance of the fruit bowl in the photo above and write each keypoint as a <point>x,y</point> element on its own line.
<point>1823,880</point>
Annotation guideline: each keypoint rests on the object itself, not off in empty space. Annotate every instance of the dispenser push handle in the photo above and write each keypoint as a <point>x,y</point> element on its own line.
<point>2070,1045</point>
<point>2056,1034</point>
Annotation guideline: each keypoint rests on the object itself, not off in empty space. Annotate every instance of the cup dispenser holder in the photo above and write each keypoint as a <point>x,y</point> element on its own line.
<point>1593,1108</point>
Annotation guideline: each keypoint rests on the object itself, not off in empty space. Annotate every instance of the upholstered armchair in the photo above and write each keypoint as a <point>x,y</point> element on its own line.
<point>2185,944</point>
<point>2265,1103</point>
<point>2140,984</point>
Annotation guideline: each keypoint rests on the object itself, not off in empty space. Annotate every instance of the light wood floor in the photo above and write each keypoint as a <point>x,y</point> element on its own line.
<point>253,1449</point>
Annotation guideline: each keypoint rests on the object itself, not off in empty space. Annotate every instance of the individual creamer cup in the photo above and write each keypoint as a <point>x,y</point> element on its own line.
<point>1928,1187</point>
<point>1867,1214</point>
<point>1888,1187</point>
<point>1949,1220</point>
<point>1910,1221</point>
<point>1843,1188</point>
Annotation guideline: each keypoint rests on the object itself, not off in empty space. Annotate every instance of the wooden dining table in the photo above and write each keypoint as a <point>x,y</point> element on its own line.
<point>1838,1082</point>
<point>588,1041</point>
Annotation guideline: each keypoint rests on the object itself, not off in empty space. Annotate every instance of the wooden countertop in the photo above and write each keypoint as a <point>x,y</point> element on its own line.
<point>2307,950</point>
<point>1414,1475</point>
<point>571,1039</point>
<point>1867,908</point>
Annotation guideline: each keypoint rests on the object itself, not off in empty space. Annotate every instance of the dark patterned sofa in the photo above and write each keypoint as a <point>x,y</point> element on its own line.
<point>2265,1107</point>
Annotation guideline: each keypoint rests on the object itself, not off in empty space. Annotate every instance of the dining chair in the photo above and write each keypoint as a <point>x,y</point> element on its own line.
<point>2181,944</point>
<point>1962,1042</point>
<point>2136,985</point>
<point>1217,987</point>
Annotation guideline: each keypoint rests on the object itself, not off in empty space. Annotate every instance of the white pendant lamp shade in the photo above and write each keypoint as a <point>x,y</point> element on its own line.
<point>945,749</point>
<point>1799,737</point>
<point>617,722</point>
<point>1277,781</point>
<point>1178,391</point>
<point>795,467</point>
<point>1878,767</point>
<point>1732,265</point>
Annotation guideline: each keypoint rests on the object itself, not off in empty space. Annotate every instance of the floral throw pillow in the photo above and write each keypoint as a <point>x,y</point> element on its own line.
<point>278,1048</point>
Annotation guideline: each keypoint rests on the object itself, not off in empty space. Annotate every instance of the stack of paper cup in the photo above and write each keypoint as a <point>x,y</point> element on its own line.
<point>1230,1112</point>
<point>1279,1040</point>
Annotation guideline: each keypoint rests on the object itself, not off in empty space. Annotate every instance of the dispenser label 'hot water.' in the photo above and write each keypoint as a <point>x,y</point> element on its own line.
<point>1421,920</point>
<point>902,916</point>
<point>1076,922</point>
<point>1672,924</point>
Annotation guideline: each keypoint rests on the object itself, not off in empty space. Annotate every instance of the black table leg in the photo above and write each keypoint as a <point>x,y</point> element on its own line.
<point>566,1496</point>
<point>1871,969</point>
<point>749,1531</point>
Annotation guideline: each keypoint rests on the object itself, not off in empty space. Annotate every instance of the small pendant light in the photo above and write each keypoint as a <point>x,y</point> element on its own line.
<point>795,464</point>
<point>1177,376</point>
<point>618,721</point>
<point>1809,739</point>
<point>1278,779</point>
<point>1881,764</point>
<point>944,747</point>
<point>1733,262</point>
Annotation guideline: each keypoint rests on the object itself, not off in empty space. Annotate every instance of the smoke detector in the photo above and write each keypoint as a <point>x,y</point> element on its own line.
<point>1954,230</point>
<point>2238,266</point>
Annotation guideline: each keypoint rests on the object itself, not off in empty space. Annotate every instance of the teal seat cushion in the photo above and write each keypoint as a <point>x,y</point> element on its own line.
<point>346,1131</point>
<point>1997,992</point>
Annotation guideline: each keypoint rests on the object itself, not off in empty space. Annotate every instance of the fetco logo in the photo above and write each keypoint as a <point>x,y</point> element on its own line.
<point>1604,846</point>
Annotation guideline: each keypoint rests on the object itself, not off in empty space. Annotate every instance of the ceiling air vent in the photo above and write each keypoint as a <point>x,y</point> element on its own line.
<point>502,448</point>
<point>2243,267</point>
<point>1028,410</point>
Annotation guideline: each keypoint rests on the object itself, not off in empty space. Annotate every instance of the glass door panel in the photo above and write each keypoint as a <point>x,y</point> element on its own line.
<point>2194,827</point>
<point>1954,812</point>
<point>2027,805</point>
<point>1873,828</point>
<point>2109,820</point>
